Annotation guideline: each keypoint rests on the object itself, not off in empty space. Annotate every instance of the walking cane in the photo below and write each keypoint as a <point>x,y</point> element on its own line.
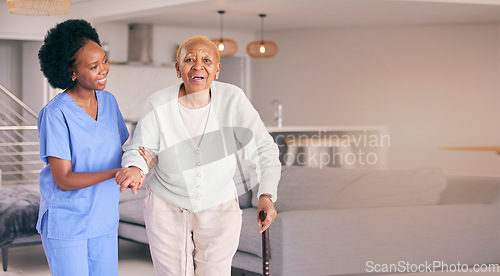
<point>265,246</point>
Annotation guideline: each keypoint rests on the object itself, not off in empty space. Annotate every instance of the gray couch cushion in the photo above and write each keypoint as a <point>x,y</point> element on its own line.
<point>383,188</point>
<point>305,188</point>
<point>471,189</point>
<point>133,232</point>
<point>132,211</point>
<point>250,238</point>
<point>127,195</point>
<point>18,211</point>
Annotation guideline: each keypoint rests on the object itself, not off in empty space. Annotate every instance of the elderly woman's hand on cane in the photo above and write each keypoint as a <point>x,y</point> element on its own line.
<point>266,203</point>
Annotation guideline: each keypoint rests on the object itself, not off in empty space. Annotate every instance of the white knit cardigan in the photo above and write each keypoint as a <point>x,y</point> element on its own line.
<point>194,177</point>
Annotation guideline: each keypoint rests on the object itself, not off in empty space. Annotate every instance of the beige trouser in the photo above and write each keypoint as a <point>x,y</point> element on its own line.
<point>185,243</point>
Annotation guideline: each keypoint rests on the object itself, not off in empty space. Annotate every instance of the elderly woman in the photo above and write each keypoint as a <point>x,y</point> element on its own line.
<point>191,211</point>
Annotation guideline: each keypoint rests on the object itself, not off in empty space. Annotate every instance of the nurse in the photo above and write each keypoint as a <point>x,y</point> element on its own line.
<point>81,134</point>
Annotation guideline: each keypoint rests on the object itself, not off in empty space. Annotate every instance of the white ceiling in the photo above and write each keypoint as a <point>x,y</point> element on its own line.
<point>282,15</point>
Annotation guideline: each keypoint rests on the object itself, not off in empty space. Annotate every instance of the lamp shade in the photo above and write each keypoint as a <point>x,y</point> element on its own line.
<point>230,47</point>
<point>227,47</point>
<point>39,7</point>
<point>262,49</point>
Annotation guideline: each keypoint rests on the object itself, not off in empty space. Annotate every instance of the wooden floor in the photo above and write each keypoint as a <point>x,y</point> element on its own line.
<point>134,259</point>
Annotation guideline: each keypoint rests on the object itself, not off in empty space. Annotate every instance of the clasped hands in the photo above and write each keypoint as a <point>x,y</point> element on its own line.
<point>133,177</point>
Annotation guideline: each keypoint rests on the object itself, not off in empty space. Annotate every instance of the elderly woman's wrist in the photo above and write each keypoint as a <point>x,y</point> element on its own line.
<point>137,169</point>
<point>269,196</point>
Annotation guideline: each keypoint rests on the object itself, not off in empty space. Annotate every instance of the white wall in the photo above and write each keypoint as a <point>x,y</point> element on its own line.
<point>35,27</point>
<point>23,75</point>
<point>35,86</point>
<point>165,40</point>
<point>20,72</point>
<point>132,84</point>
<point>10,66</point>
<point>433,86</point>
<point>25,27</point>
<point>116,35</point>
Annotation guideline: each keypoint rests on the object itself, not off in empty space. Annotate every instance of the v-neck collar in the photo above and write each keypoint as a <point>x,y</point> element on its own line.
<point>80,110</point>
<point>180,123</point>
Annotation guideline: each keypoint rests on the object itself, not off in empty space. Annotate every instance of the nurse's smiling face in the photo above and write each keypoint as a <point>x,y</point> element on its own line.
<point>197,66</point>
<point>91,67</point>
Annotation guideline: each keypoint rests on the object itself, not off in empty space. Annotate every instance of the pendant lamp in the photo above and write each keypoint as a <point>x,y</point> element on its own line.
<point>227,47</point>
<point>39,7</point>
<point>262,48</point>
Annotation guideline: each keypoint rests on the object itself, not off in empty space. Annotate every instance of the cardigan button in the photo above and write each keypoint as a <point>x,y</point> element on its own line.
<point>198,164</point>
<point>197,151</point>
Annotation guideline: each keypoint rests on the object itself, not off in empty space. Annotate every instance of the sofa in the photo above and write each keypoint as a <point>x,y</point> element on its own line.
<point>334,221</point>
<point>18,216</point>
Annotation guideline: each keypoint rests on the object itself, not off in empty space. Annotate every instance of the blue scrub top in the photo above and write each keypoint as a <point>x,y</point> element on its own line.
<point>67,132</point>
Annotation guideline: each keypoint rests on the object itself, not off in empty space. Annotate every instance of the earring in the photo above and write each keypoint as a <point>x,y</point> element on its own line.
<point>73,78</point>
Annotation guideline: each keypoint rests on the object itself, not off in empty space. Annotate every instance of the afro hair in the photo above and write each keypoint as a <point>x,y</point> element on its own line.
<point>59,47</point>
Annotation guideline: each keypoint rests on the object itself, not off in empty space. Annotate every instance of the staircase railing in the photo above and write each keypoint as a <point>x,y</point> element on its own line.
<point>19,156</point>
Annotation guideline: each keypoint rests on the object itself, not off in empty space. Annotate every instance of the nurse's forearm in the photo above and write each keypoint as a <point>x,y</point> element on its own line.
<point>76,181</point>
<point>68,180</point>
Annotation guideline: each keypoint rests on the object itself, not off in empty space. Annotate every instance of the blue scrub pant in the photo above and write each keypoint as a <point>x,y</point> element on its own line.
<point>91,257</point>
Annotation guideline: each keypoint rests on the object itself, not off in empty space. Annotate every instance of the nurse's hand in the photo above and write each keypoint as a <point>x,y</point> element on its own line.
<point>131,177</point>
<point>149,156</point>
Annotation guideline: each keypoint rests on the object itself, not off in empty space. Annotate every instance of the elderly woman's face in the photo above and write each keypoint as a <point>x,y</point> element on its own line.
<point>197,66</point>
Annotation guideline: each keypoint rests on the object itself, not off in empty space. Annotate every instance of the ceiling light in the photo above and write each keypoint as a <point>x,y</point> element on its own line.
<point>39,7</point>
<point>227,47</point>
<point>262,48</point>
